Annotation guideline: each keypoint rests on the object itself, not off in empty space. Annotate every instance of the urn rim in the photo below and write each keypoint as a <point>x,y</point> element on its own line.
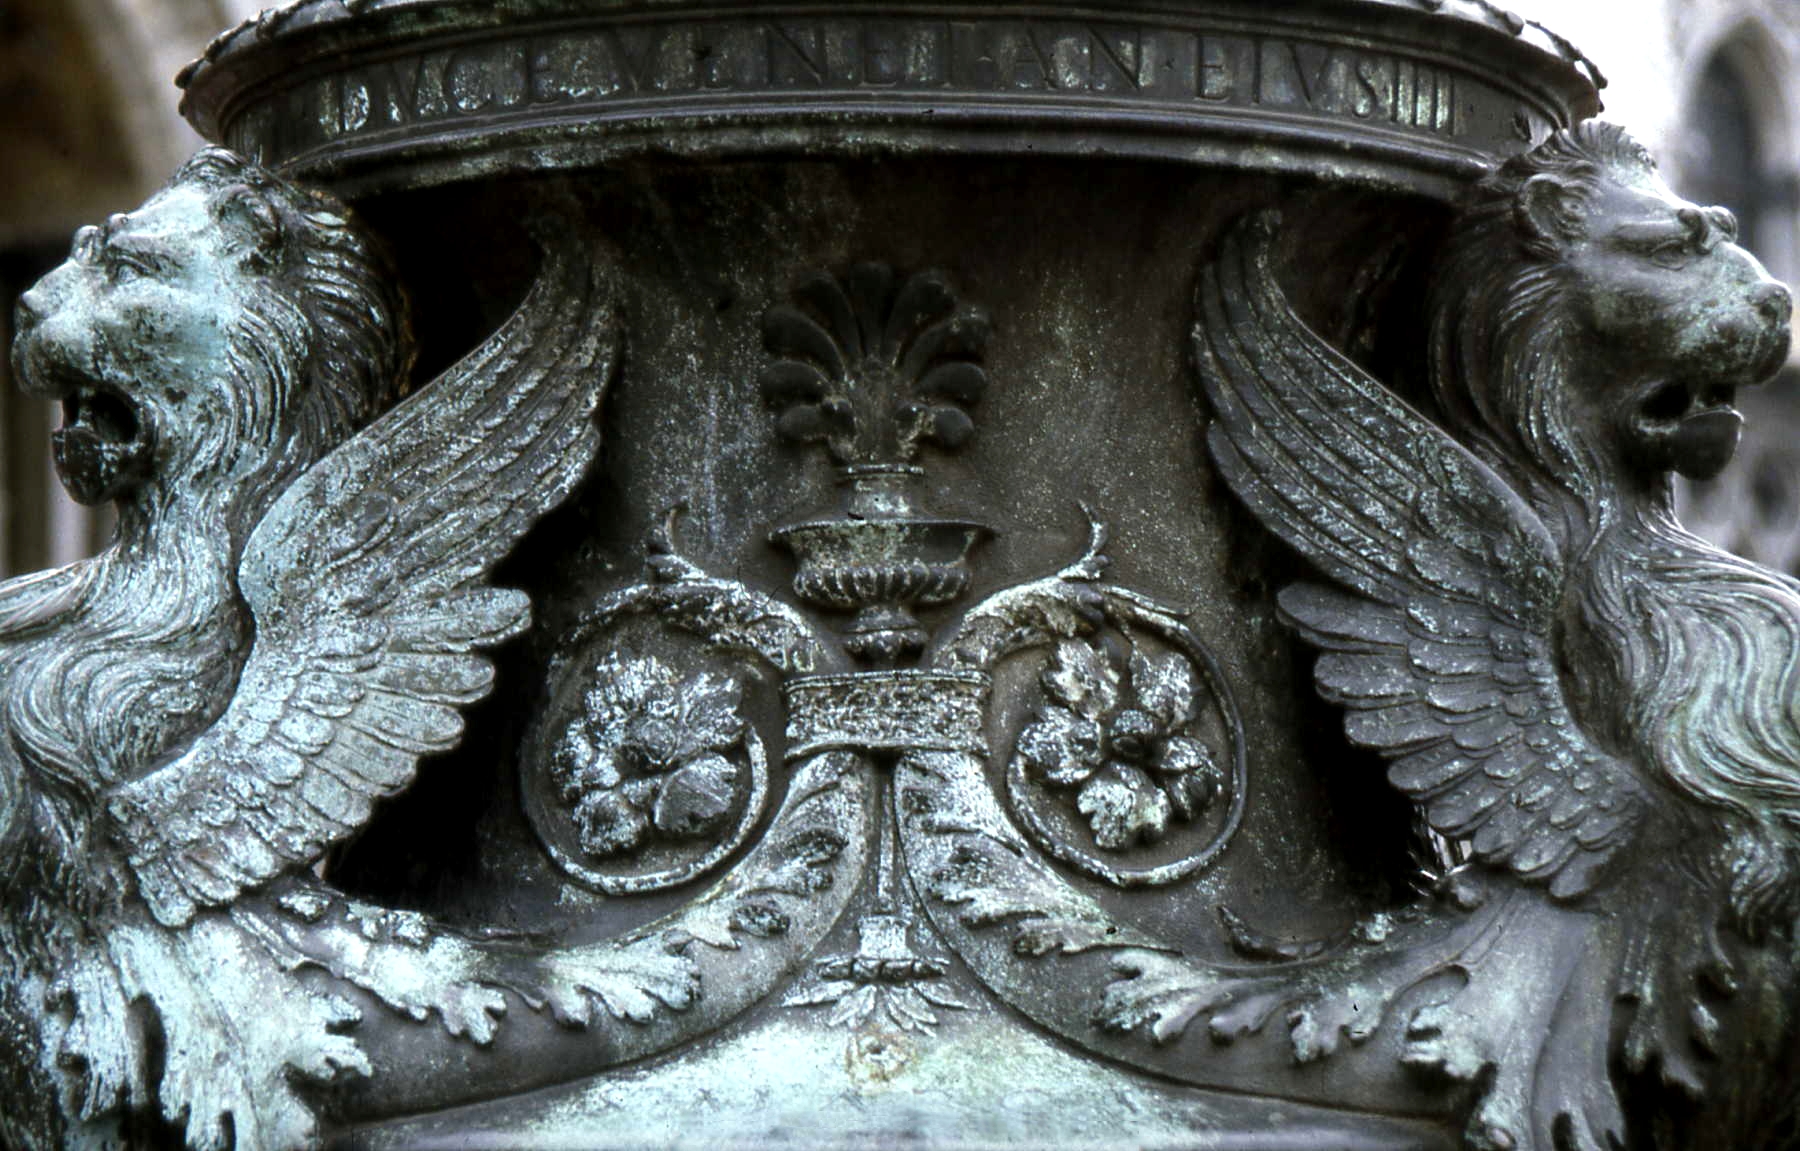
<point>1404,95</point>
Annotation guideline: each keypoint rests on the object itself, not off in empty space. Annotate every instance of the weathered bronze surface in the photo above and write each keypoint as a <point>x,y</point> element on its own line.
<point>920,623</point>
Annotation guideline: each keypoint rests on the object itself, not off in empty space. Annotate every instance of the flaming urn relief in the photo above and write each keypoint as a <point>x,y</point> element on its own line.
<point>878,371</point>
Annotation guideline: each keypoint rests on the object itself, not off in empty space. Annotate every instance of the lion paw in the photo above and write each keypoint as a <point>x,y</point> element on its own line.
<point>1435,1043</point>
<point>1159,995</point>
<point>1163,995</point>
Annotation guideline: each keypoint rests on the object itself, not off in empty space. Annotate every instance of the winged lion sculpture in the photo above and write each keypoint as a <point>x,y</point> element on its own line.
<point>1582,699</point>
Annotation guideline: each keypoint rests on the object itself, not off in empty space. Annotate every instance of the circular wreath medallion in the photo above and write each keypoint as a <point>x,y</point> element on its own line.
<point>1131,768</point>
<point>644,778</point>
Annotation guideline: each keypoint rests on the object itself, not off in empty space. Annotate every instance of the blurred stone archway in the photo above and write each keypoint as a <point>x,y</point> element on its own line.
<point>1738,143</point>
<point>88,126</point>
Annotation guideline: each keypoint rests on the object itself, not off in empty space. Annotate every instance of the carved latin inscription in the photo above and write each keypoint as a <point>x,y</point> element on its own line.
<point>1169,67</point>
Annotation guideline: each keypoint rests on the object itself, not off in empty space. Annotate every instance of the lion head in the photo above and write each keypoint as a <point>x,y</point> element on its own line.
<point>206,348</point>
<point>1589,331</point>
<point>219,338</point>
<point>1588,320</point>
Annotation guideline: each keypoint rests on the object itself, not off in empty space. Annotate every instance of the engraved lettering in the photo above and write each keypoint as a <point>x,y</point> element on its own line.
<point>1115,62</point>
<point>1256,72</point>
<point>327,110</point>
<point>471,88</point>
<point>735,56</point>
<point>927,61</point>
<point>1290,74</point>
<point>843,54</point>
<point>1141,63</point>
<point>713,59</point>
<point>1071,59</point>
<point>1371,89</point>
<point>883,59</point>
<point>512,75</point>
<point>973,64</point>
<point>638,52</point>
<point>1216,80</point>
<point>1027,65</point>
<point>1166,65</point>
<point>1312,63</point>
<point>796,56</point>
<point>433,86</point>
<point>353,108</point>
<point>401,86</point>
<point>575,68</point>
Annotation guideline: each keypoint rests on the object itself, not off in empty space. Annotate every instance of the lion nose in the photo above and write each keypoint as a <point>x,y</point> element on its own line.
<point>1775,302</point>
<point>26,311</point>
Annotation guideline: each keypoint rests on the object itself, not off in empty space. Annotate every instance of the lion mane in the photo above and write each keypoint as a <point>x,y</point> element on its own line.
<point>1701,666</point>
<point>150,653</point>
<point>323,345</point>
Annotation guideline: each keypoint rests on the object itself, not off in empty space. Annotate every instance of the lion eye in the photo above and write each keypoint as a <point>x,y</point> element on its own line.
<point>1725,221</point>
<point>123,266</point>
<point>1674,255</point>
<point>1667,250</point>
<point>1667,243</point>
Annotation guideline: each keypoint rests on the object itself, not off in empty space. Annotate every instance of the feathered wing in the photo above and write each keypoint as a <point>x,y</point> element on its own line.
<point>1438,638</point>
<point>368,583</point>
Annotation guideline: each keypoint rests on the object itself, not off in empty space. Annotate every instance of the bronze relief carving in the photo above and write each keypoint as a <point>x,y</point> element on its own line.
<point>215,352</point>
<point>648,760</point>
<point>837,664</point>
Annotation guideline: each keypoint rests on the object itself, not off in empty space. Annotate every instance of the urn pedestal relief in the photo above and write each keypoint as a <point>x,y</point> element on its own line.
<point>951,574</point>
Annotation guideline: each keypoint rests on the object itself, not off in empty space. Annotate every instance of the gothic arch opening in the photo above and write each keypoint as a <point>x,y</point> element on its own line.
<point>1728,163</point>
<point>1736,147</point>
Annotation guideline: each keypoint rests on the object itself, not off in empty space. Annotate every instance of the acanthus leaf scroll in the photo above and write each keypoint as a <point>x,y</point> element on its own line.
<point>856,360</point>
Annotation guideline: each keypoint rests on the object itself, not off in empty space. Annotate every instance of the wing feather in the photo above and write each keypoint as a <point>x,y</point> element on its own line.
<point>367,580</point>
<point>1439,640</point>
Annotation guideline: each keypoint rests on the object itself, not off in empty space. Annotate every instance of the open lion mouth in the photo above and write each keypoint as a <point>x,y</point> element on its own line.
<point>106,445</point>
<point>103,449</point>
<point>1690,428</point>
<point>1677,401</point>
<point>104,416</point>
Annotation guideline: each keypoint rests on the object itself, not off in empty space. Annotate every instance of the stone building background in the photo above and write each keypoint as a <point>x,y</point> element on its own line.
<point>88,126</point>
